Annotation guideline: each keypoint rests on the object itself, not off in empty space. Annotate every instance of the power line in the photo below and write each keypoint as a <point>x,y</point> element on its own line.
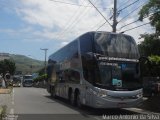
<point>129,23</point>
<point>82,16</point>
<point>135,27</point>
<point>128,5</point>
<point>130,13</point>
<point>123,4</point>
<point>101,26</point>
<point>125,16</point>
<point>73,19</point>
<point>100,13</point>
<point>138,20</point>
<point>95,26</point>
<point>68,3</point>
<point>114,17</point>
<point>76,20</point>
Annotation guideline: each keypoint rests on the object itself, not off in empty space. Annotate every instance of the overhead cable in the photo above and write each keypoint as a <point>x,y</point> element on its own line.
<point>135,27</point>
<point>100,13</point>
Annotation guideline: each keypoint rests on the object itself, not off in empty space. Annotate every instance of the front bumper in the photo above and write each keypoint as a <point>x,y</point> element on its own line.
<point>99,102</point>
<point>28,85</point>
<point>16,84</point>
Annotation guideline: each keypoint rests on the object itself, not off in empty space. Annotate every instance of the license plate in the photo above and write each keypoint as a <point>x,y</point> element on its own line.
<point>121,104</point>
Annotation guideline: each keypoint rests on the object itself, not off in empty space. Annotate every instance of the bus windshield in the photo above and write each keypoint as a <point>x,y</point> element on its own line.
<point>27,77</point>
<point>118,76</point>
<point>116,45</point>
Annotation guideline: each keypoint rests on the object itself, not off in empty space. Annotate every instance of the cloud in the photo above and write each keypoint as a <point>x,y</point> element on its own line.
<point>64,43</point>
<point>65,22</point>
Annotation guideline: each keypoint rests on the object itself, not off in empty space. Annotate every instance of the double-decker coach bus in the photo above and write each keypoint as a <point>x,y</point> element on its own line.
<point>98,69</point>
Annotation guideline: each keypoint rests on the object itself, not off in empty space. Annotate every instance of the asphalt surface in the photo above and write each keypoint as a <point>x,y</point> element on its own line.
<point>29,103</point>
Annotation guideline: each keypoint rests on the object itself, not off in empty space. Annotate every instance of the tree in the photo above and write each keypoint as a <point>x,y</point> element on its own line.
<point>150,46</point>
<point>7,65</point>
<point>151,43</point>
<point>41,71</point>
<point>152,10</point>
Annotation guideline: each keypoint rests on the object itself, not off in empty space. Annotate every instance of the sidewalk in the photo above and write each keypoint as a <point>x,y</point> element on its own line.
<point>5,91</point>
<point>5,99</point>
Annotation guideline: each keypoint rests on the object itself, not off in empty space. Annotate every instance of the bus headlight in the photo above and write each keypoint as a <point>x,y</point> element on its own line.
<point>139,95</point>
<point>99,92</point>
<point>102,93</point>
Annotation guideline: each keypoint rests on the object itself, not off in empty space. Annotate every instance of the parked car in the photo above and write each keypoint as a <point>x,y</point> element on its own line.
<point>16,81</point>
<point>27,81</point>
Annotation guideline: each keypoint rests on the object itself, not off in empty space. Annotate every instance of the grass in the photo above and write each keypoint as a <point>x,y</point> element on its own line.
<point>3,110</point>
<point>24,63</point>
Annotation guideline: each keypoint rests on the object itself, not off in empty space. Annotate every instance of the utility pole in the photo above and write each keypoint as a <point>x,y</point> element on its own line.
<point>31,66</point>
<point>45,63</point>
<point>114,16</point>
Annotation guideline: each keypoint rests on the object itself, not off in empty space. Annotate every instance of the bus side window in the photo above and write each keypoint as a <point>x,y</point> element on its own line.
<point>62,77</point>
<point>74,76</point>
<point>88,75</point>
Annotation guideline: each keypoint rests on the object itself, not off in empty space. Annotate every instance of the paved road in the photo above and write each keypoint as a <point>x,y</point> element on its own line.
<point>36,104</point>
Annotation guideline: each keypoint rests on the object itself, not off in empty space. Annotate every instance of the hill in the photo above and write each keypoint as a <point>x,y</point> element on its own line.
<point>26,64</point>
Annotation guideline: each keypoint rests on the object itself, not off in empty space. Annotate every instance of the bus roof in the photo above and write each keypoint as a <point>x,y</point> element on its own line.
<point>92,33</point>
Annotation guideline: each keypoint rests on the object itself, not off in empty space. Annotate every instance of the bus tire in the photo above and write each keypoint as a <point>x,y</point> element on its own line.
<point>78,101</point>
<point>53,93</point>
<point>71,98</point>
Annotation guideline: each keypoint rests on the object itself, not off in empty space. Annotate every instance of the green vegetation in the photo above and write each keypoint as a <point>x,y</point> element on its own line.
<point>26,64</point>
<point>150,47</point>
<point>155,65</point>
<point>3,111</point>
<point>40,78</point>
<point>155,59</point>
<point>41,71</point>
<point>152,10</point>
<point>7,65</point>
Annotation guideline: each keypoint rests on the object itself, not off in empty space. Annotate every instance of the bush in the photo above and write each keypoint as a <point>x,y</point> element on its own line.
<point>40,78</point>
<point>155,59</point>
<point>151,69</point>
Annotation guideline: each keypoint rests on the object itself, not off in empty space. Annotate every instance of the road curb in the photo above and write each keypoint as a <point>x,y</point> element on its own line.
<point>6,90</point>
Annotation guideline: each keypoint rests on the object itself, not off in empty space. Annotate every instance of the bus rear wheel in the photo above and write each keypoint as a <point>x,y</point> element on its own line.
<point>71,98</point>
<point>53,93</point>
<point>78,101</point>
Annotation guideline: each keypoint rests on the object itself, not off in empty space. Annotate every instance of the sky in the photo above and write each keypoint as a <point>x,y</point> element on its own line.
<point>26,26</point>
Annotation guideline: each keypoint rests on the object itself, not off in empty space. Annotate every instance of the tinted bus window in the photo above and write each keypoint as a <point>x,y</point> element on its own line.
<point>71,76</point>
<point>66,53</point>
<point>86,42</point>
<point>86,46</point>
<point>116,45</point>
